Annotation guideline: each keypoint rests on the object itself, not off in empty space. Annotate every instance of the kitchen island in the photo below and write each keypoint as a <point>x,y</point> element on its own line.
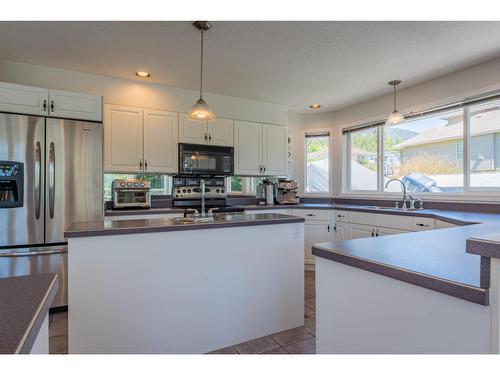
<point>153,286</point>
<point>422,292</point>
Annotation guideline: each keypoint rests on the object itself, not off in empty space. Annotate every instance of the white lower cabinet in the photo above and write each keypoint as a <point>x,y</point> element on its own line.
<point>360,231</point>
<point>388,231</point>
<point>314,232</point>
<point>340,231</point>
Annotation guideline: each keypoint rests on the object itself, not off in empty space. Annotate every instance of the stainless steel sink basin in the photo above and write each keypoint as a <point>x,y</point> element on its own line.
<point>191,220</point>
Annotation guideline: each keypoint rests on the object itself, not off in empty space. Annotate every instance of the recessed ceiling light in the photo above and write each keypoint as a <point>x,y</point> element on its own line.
<point>143,74</point>
<point>315,106</point>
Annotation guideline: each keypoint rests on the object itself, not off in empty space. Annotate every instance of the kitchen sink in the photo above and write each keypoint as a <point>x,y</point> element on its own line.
<point>191,220</point>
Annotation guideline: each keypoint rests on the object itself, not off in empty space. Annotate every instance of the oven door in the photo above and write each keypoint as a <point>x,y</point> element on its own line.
<point>206,160</point>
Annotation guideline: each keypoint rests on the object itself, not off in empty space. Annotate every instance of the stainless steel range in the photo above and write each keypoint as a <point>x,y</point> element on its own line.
<point>187,192</point>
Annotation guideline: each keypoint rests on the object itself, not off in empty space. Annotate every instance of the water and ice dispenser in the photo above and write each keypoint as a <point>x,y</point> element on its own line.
<point>11,184</point>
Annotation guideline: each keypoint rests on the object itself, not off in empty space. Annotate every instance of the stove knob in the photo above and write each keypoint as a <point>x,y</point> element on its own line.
<point>217,191</point>
<point>129,184</point>
<point>142,184</point>
<point>189,190</point>
<point>122,184</point>
<point>222,191</point>
<point>178,190</point>
<point>136,184</point>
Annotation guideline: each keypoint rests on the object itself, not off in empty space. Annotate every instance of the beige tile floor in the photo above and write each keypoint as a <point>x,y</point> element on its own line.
<point>301,340</point>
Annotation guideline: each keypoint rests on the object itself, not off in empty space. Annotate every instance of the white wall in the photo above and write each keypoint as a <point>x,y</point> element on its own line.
<point>141,94</point>
<point>465,83</point>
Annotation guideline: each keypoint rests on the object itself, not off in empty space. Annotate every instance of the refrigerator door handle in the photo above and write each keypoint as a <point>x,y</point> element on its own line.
<point>38,179</point>
<point>32,253</point>
<point>52,179</point>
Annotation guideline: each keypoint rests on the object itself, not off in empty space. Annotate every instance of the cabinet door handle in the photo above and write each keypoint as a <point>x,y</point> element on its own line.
<point>210,137</point>
<point>45,105</point>
<point>140,164</point>
<point>422,225</point>
<point>373,232</point>
<point>264,168</point>
<point>51,106</point>
<point>206,137</point>
<point>335,228</point>
<point>310,214</point>
<point>328,228</point>
<point>145,165</point>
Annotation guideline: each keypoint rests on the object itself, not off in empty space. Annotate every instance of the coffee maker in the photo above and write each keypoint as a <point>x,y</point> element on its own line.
<point>286,192</point>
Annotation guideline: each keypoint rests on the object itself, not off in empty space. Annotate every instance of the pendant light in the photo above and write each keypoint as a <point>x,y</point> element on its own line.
<point>395,117</point>
<point>200,110</point>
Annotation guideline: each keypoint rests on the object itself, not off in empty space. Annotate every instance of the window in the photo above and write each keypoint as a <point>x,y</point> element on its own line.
<point>243,185</point>
<point>429,153</point>
<point>484,145</point>
<point>317,163</point>
<point>363,160</point>
<point>424,154</point>
<point>160,184</point>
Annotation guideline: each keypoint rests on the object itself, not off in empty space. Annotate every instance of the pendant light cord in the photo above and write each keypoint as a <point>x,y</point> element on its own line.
<point>394,98</point>
<point>201,66</point>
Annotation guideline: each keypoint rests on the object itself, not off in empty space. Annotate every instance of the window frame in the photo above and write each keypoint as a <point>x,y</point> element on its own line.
<point>313,132</point>
<point>469,193</point>
<point>247,186</point>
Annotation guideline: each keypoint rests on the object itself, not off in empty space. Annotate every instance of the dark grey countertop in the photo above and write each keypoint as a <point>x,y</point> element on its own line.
<point>24,303</point>
<point>435,259</point>
<point>115,227</point>
<point>142,211</point>
<point>487,246</point>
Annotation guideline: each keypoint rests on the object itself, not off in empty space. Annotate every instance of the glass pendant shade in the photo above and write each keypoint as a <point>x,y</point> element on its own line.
<point>395,118</point>
<point>201,111</point>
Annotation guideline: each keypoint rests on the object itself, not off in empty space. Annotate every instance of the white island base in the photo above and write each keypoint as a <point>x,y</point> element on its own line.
<point>184,291</point>
<point>360,312</point>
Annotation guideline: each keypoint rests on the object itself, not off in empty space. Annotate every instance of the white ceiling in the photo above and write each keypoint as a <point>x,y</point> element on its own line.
<point>335,64</point>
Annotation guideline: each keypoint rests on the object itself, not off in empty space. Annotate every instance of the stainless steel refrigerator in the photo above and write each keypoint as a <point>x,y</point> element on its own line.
<point>50,176</point>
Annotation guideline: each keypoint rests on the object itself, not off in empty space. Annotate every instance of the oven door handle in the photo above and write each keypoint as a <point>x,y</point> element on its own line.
<point>32,253</point>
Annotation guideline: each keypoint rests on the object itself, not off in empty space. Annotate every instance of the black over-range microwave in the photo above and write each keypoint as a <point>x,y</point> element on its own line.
<point>206,160</point>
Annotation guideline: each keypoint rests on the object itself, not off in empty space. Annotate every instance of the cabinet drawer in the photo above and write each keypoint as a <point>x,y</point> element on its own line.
<point>313,214</point>
<point>423,223</point>
<point>381,220</point>
<point>444,224</point>
<point>341,216</point>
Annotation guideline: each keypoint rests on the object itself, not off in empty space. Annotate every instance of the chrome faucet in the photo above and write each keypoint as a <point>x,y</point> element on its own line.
<point>202,187</point>
<point>405,195</point>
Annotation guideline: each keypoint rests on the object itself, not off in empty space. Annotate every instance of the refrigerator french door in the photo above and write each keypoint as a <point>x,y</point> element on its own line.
<point>50,177</point>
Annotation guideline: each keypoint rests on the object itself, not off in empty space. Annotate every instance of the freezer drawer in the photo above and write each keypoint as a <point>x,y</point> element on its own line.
<point>29,261</point>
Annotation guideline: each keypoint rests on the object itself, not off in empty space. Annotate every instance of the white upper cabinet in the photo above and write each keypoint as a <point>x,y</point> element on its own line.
<point>192,131</point>
<point>23,99</point>
<point>260,149</point>
<point>217,132</point>
<point>123,139</point>
<point>160,141</point>
<point>75,105</point>
<point>47,102</point>
<point>140,140</point>
<point>220,132</point>
<point>274,158</point>
<point>247,148</point>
